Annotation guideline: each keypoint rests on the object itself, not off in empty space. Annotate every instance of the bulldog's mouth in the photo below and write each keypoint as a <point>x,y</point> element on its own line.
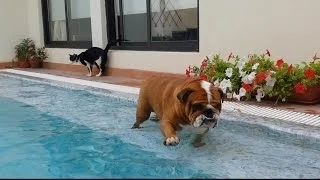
<point>202,120</point>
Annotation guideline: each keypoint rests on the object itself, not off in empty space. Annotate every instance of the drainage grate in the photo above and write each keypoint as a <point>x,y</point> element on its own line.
<point>268,112</point>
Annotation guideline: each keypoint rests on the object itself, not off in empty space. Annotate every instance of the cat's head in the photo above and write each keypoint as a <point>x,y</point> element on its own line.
<point>73,57</point>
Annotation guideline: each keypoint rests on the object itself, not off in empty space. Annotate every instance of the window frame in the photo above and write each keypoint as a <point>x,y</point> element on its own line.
<point>174,46</point>
<point>46,30</point>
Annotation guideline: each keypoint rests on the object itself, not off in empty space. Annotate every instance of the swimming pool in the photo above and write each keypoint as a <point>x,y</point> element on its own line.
<point>51,129</point>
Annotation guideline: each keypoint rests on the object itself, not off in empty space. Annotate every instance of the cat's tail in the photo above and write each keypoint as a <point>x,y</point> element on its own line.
<point>104,57</point>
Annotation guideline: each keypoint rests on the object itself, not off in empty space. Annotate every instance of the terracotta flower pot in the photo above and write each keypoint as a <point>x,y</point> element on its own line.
<point>311,96</point>
<point>23,63</point>
<point>35,63</point>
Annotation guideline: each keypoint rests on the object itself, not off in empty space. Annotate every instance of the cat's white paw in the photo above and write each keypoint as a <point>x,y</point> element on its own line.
<point>100,74</point>
<point>89,74</point>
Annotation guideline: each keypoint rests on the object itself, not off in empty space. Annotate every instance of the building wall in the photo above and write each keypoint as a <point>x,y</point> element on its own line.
<point>288,28</point>
<point>14,27</point>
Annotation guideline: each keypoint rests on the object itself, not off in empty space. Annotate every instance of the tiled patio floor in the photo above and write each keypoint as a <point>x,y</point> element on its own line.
<point>310,109</point>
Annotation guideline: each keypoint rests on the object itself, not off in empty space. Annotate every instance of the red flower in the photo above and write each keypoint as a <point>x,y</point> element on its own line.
<point>299,88</point>
<point>309,73</point>
<point>230,56</point>
<point>204,64</point>
<point>212,70</point>
<point>188,72</point>
<point>203,76</point>
<point>290,69</point>
<point>260,77</point>
<point>268,53</point>
<point>279,63</point>
<point>247,87</point>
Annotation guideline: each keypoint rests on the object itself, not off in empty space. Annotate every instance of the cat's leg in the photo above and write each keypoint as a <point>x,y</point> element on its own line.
<point>88,71</point>
<point>100,70</point>
<point>89,66</point>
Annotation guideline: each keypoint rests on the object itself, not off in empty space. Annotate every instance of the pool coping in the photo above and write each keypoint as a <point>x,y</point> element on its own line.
<point>268,112</point>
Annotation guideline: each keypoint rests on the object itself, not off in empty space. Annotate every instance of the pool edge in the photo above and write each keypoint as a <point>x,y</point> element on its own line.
<point>268,112</point>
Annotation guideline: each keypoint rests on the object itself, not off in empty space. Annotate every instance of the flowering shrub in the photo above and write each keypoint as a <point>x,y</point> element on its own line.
<point>257,76</point>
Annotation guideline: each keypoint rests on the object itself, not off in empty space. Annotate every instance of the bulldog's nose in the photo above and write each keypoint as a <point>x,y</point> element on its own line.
<point>208,113</point>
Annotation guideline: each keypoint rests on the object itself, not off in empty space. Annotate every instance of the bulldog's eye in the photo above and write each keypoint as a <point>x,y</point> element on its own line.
<point>197,107</point>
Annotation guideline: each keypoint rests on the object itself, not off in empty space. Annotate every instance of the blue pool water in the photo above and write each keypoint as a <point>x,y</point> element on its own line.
<point>48,131</point>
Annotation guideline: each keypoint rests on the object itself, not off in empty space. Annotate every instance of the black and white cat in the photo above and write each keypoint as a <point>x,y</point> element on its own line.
<point>94,56</point>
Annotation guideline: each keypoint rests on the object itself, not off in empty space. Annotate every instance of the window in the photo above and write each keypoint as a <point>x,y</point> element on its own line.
<point>168,25</point>
<point>67,23</point>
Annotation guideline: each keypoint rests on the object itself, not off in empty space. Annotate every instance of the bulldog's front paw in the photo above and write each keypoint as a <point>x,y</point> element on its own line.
<point>171,141</point>
<point>136,126</point>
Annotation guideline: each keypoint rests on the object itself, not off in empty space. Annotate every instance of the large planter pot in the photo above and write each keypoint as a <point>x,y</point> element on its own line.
<point>311,96</point>
<point>35,63</point>
<point>23,63</point>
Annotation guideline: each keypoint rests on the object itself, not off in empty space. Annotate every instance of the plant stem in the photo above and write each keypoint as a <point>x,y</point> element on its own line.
<point>276,103</point>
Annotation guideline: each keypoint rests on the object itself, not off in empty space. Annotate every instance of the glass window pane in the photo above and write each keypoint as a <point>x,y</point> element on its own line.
<point>57,20</point>
<point>135,20</point>
<point>174,20</point>
<point>79,20</point>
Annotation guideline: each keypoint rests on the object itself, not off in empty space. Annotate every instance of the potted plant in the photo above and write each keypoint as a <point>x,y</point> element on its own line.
<point>36,61</point>
<point>310,89</point>
<point>258,76</point>
<point>23,51</point>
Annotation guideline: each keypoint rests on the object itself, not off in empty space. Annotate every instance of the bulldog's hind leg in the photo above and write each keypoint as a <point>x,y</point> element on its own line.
<point>142,113</point>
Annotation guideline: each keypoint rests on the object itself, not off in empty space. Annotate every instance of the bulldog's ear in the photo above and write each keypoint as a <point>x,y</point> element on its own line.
<point>222,95</point>
<point>184,94</point>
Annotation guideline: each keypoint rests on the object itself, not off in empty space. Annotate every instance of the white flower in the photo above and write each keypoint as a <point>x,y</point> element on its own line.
<point>245,79</point>
<point>260,94</point>
<point>249,78</point>
<point>224,84</point>
<point>241,63</point>
<point>216,83</point>
<point>236,96</point>
<point>242,92</point>
<point>255,66</point>
<point>270,81</point>
<point>229,72</point>
<point>242,73</point>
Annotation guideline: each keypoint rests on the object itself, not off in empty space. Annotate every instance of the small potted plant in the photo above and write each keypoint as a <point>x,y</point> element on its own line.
<point>36,61</point>
<point>23,51</point>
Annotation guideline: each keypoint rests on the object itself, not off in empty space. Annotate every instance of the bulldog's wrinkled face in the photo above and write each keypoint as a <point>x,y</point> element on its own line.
<point>73,58</point>
<point>202,104</point>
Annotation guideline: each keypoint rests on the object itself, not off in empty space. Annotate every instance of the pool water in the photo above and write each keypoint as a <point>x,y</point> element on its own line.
<point>48,131</point>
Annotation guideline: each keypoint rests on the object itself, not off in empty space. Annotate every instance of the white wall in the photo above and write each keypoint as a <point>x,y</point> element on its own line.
<point>35,23</point>
<point>14,27</point>
<point>288,28</point>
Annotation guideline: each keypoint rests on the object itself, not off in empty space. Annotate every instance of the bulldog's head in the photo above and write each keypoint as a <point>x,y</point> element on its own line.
<point>202,103</point>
